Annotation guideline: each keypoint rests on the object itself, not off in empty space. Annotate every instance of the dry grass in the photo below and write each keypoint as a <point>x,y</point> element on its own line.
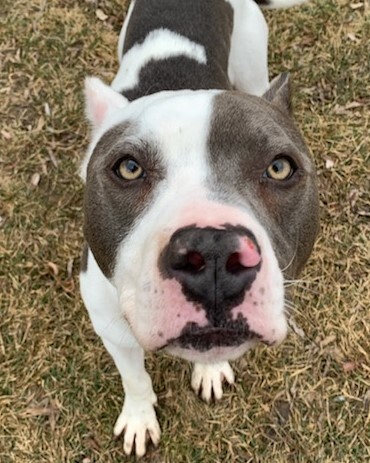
<point>59,391</point>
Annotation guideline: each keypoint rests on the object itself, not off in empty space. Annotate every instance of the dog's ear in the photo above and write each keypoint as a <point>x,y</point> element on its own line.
<point>280,91</point>
<point>100,99</point>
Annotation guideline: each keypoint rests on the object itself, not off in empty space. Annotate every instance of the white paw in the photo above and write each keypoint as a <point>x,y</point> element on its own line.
<point>208,378</point>
<point>138,421</point>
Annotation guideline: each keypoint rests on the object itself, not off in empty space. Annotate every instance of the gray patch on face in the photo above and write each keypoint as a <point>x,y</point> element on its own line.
<point>113,205</point>
<point>247,133</point>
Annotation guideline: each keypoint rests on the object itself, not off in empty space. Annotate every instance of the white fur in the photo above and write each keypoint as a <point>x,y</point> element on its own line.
<point>247,68</point>
<point>138,415</point>
<point>158,44</point>
<point>100,100</point>
<point>207,379</point>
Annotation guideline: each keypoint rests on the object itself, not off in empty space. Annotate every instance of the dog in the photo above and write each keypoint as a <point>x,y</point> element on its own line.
<point>200,198</point>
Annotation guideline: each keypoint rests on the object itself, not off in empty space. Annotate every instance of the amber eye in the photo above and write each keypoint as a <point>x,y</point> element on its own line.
<point>280,169</point>
<point>129,169</point>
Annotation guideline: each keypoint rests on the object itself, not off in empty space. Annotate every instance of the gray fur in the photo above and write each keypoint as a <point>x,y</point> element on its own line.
<point>247,133</point>
<point>111,206</point>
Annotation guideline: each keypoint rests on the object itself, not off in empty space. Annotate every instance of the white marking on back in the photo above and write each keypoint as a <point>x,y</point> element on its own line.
<point>158,44</point>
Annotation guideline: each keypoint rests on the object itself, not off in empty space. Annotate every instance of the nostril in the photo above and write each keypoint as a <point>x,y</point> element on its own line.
<point>191,262</point>
<point>247,257</point>
<point>195,261</point>
<point>233,264</point>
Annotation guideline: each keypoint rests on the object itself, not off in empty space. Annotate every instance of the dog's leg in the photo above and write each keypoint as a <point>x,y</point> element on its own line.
<point>138,417</point>
<point>248,69</point>
<point>207,379</point>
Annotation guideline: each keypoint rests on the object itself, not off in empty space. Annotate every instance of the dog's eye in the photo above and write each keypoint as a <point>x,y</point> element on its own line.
<point>129,169</point>
<point>280,169</point>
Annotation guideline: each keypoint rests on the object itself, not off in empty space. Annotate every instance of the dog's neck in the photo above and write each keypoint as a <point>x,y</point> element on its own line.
<point>187,48</point>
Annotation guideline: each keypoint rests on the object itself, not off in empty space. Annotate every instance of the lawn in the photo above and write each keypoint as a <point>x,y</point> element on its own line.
<point>307,401</point>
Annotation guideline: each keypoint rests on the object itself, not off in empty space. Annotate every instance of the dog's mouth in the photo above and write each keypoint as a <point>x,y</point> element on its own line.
<point>206,338</point>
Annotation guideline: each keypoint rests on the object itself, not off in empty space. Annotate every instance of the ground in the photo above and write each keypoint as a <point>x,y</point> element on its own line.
<point>307,401</point>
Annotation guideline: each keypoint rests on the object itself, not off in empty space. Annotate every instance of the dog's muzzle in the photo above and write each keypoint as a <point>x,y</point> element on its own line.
<point>215,267</point>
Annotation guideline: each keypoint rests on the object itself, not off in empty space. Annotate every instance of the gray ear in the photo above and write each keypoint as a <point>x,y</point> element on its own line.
<point>279,92</point>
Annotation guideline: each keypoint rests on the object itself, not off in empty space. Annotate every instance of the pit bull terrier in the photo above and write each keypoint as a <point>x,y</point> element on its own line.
<point>200,198</point>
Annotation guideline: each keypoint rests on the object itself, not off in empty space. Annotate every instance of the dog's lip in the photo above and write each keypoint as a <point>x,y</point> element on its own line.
<point>212,336</point>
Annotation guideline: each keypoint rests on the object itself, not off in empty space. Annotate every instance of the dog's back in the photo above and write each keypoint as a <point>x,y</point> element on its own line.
<point>193,44</point>
<point>173,45</point>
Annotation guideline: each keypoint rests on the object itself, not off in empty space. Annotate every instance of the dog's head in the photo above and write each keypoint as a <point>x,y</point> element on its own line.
<point>196,202</point>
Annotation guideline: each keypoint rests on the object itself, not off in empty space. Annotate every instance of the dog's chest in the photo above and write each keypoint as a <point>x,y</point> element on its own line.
<point>174,45</point>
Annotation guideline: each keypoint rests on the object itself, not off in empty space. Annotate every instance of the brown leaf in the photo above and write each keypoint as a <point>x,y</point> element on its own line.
<point>353,105</point>
<point>356,6</point>
<point>54,268</point>
<point>53,159</point>
<point>70,268</point>
<point>352,37</point>
<point>349,366</point>
<point>6,134</point>
<point>101,15</point>
<point>47,109</point>
<point>35,179</point>
<point>46,407</point>
<point>297,330</point>
<point>353,197</point>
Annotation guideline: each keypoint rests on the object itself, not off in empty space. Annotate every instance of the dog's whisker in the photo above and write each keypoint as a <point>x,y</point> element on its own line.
<point>284,269</point>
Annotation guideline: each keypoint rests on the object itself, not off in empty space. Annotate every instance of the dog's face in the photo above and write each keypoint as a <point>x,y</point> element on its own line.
<point>195,203</point>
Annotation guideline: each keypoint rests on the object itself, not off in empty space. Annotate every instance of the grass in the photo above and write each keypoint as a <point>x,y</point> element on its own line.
<point>309,400</point>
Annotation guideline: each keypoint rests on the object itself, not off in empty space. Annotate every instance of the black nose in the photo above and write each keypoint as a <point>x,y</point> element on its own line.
<point>214,266</point>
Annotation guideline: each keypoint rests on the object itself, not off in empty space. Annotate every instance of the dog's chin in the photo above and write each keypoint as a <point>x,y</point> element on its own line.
<point>214,353</point>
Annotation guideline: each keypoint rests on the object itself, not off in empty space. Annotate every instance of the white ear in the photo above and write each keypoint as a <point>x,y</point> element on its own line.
<point>100,99</point>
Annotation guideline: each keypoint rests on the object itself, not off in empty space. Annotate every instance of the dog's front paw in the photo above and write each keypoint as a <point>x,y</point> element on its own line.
<point>138,421</point>
<point>208,378</point>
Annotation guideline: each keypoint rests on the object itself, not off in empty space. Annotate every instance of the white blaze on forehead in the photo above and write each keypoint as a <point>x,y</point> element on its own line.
<point>159,115</point>
<point>158,44</point>
<point>177,125</point>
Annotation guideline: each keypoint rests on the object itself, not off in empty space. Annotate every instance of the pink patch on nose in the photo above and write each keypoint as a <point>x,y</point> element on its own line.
<point>248,253</point>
